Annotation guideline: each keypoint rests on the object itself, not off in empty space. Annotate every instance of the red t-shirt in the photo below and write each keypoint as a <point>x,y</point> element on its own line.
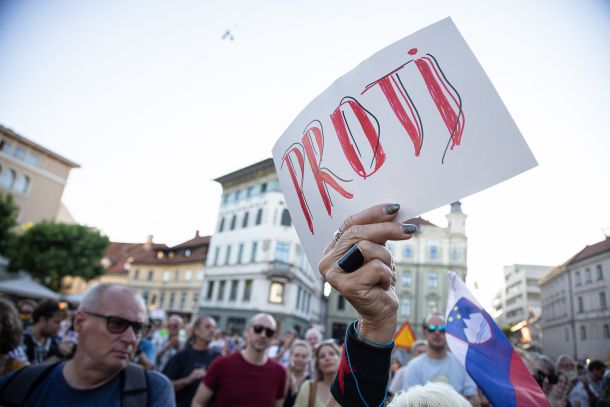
<point>236,382</point>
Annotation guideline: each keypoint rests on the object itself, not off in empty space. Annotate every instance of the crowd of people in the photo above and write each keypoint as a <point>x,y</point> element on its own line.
<point>108,352</point>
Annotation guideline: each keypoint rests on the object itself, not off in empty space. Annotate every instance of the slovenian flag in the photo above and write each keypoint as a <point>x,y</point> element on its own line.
<point>488,356</point>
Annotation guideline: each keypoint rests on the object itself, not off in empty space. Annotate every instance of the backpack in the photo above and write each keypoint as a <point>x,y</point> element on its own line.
<point>134,385</point>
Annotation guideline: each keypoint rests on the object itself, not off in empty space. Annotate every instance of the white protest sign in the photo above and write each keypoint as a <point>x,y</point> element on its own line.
<point>418,123</point>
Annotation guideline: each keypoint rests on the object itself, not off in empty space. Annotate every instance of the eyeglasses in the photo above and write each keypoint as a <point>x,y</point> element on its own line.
<point>259,328</point>
<point>540,376</point>
<point>118,325</point>
<point>433,328</point>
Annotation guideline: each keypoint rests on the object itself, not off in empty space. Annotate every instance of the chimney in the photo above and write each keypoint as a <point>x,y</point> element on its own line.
<point>149,242</point>
<point>197,233</point>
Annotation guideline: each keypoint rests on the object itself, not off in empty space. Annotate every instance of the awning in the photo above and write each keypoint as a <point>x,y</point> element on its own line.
<point>26,287</point>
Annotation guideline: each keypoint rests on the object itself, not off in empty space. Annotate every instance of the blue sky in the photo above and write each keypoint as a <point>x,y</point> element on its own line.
<point>154,104</point>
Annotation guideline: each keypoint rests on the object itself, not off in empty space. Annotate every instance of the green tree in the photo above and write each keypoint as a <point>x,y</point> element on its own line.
<point>8,220</point>
<point>50,251</point>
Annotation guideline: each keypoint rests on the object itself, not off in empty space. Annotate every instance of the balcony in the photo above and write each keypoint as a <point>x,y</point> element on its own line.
<point>280,270</point>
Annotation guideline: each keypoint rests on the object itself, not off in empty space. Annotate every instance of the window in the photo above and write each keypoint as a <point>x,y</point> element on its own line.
<point>566,334</point>
<point>216,254</point>
<point>182,299</point>
<point>432,306</point>
<point>406,279</point>
<point>19,153</point>
<point>602,300</point>
<point>225,199</point>
<point>249,191</point>
<point>298,305</point>
<point>583,333</point>
<point>228,254</point>
<point>150,275</point>
<point>200,275</point>
<point>276,293</point>
<point>233,220</point>
<point>244,222</point>
<point>308,302</point>
<point>253,252</point>
<point>577,278</point>
<point>433,253</point>
<point>7,178</point>
<point>240,253</point>
<point>145,297</point>
<point>234,287</point>
<point>432,279</point>
<point>454,254</point>
<point>177,275</point>
<point>22,184</point>
<point>136,274</point>
<point>405,306</point>
<point>5,146</point>
<point>31,158</point>
<point>588,278</point>
<point>247,290</point>
<point>286,221</point>
<point>581,307</point>
<point>408,252</point>
<point>166,275</point>
<point>172,299</point>
<point>606,329</point>
<point>210,292</point>
<point>263,187</point>
<point>188,275</point>
<point>282,251</point>
<point>162,299</point>
<point>600,272</point>
<point>196,298</point>
<point>340,302</point>
<point>221,290</point>
<point>259,216</point>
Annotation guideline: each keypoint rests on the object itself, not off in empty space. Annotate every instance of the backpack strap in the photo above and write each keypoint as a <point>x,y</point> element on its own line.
<point>18,388</point>
<point>134,386</point>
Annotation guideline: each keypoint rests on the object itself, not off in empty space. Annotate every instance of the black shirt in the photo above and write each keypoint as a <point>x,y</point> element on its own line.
<point>182,364</point>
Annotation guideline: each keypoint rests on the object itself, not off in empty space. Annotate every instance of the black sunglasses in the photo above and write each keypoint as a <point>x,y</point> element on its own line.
<point>433,328</point>
<point>540,376</point>
<point>259,328</point>
<point>118,325</point>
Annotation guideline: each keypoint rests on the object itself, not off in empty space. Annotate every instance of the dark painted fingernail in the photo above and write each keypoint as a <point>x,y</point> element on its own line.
<point>391,209</point>
<point>352,260</point>
<point>409,228</point>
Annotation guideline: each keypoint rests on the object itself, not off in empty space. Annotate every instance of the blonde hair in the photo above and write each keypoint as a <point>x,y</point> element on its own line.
<point>318,373</point>
<point>431,395</point>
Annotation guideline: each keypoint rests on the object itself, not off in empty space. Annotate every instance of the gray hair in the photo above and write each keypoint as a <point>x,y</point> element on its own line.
<point>92,300</point>
<point>436,394</point>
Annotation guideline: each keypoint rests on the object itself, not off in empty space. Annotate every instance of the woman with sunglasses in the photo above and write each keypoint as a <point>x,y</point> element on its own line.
<point>316,391</point>
<point>300,357</point>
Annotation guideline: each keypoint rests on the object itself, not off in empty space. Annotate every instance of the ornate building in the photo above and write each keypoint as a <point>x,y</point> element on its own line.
<point>256,263</point>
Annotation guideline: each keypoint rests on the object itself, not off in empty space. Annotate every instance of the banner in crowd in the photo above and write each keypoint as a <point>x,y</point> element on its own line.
<point>419,123</point>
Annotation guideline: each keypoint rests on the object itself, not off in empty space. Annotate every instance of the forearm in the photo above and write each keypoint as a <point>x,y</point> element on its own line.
<point>180,384</point>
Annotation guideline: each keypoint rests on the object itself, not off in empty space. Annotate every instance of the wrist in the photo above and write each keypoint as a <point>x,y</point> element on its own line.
<point>378,332</point>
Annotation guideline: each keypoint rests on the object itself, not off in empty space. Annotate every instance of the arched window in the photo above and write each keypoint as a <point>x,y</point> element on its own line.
<point>7,178</point>
<point>286,221</point>
<point>22,184</point>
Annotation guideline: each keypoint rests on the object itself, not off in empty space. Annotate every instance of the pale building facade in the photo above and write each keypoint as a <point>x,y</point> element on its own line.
<point>575,313</point>
<point>35,176</point>
<point>422,265</point>
<point>170,278</point>
<point>256,263</point>
<point>519,297</point>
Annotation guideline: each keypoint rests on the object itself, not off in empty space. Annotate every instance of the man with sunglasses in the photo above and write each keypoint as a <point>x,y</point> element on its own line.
<point>248,377</point>
<point>437,365</point>
<point>110,322</point>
